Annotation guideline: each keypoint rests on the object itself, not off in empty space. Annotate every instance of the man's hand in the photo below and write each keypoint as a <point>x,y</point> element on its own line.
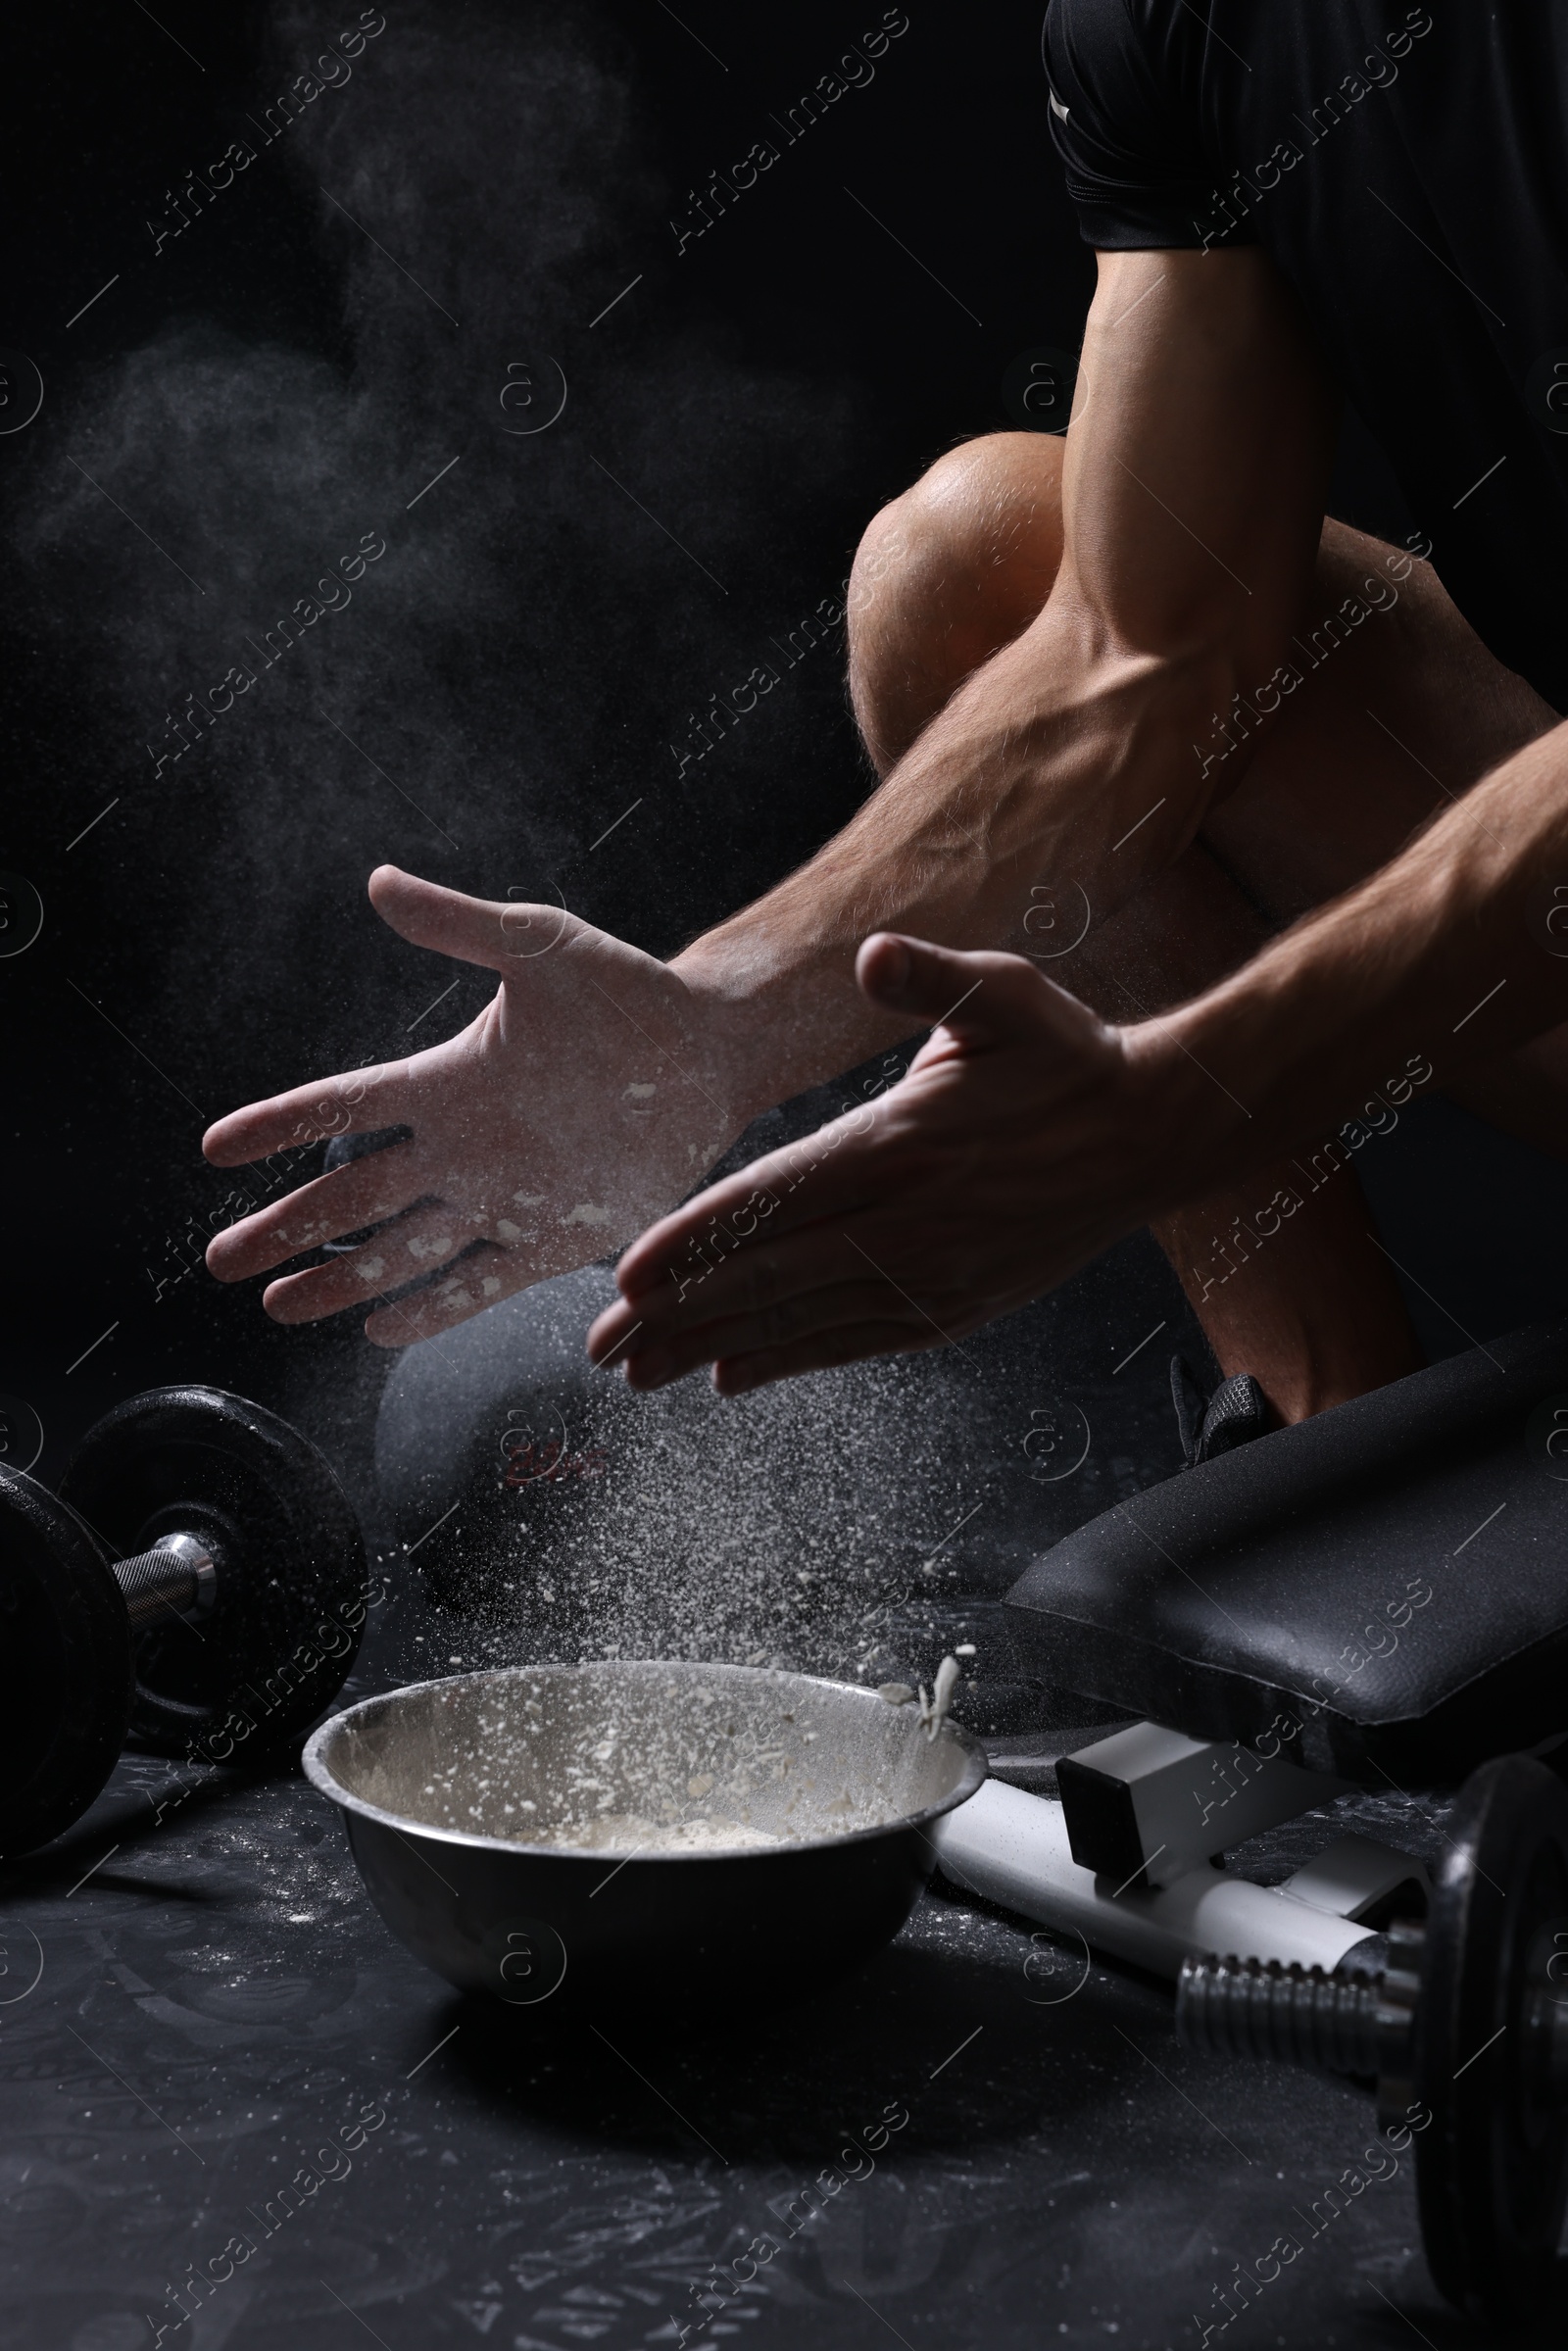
<point>599,1085</point>
<point>1026,1138</point>
<point>583,1101</point>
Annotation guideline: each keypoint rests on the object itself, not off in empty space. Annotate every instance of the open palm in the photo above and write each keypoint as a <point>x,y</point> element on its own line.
<point>584,1099</point>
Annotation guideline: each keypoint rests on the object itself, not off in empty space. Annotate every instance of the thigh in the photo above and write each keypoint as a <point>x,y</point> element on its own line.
<point>1399,711</point>
<point>947,575</point>
<point>1394,720</point>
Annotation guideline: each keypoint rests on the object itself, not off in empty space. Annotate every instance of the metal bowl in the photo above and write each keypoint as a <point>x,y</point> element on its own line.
<point>514,1828</point>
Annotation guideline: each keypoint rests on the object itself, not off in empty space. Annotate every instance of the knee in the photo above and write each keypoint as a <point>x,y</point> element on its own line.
<point>983,510</point>
<point>880,576</point>
<point>948,572</point>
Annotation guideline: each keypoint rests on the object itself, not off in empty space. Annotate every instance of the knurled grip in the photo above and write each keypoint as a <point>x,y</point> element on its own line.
<point>176,1575</point>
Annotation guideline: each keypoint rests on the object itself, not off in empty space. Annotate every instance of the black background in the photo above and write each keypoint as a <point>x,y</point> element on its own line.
<point>268,386</point>
<point>265,387</point>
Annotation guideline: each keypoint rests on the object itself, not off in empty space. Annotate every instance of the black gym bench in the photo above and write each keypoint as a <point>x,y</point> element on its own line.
<point>1375,1598</point>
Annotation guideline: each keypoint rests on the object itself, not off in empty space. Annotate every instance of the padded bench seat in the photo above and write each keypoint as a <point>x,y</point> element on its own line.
<point>1389,1578</point>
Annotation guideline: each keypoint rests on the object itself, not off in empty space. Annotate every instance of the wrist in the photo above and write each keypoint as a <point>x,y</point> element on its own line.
<point>1193,1131</point>
<point>770,1027</point>
<point>727,1026</point>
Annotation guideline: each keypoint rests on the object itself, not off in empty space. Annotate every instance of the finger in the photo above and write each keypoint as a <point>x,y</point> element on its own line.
<point>481,1280</point>
<point>825,1175</point>
<point>415,1246</point>
<point>713,1287</point>
<point>355,1104</point>
<point>850,1342</point>
<point>475,930</point>
<point>751,1280</point>
<point>338,1202</point>
<point>982,997</point>
<point>802,1315</point>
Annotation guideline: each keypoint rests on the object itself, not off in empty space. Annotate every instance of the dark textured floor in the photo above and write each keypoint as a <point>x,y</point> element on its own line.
<point>217,2003</point>
<point>191,2006</point>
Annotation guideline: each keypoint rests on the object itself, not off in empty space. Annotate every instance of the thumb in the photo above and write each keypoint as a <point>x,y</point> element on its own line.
<point>982,997</point>
<point>477,930</point>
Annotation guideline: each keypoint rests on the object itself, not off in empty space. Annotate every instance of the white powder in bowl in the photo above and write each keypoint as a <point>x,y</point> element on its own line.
<point>625,1832</point>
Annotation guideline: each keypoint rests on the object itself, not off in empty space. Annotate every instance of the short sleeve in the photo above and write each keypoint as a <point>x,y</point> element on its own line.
<point>1126,113</point>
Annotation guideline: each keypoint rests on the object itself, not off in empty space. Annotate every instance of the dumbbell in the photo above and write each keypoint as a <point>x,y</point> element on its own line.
<point>1467,2024</point>
<point>196,1586</point>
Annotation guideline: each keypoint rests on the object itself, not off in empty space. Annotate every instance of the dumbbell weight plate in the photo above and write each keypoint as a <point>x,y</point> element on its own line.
<point>280,1642</point>
<point>66,1666</point>
<point>1492,2166</point>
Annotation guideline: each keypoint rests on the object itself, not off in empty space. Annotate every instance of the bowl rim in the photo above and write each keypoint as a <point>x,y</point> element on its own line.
<point>314,1764</point>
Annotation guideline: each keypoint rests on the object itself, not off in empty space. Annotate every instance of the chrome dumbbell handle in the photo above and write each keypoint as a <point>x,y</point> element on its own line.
<point>177,1574</point>
<point>1300,2016</point>
<point>1346,2024</point>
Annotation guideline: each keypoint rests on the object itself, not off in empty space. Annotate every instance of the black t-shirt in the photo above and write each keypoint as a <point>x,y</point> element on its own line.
<point>1407,170</point>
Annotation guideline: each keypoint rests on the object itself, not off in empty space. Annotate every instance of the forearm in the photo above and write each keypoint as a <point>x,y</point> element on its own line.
<point>1192,507</point>
<point>1443,955</point>
<point>1054,784</point>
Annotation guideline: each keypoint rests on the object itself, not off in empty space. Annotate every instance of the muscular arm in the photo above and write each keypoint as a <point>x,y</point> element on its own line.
<point>1028,1136</point>
<point>1192,501</point>
<point>597,1084</point>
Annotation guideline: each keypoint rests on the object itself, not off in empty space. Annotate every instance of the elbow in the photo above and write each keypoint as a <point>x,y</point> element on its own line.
<point>1231,708</point>
<point>1161,689</point>
<point>1204,689</point>
<point>1192,662</point>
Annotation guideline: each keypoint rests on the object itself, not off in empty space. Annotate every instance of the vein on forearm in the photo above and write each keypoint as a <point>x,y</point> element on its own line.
<point>1067,759</point>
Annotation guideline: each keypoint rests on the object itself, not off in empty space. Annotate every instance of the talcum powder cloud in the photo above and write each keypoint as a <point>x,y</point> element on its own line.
<point>273,720</point>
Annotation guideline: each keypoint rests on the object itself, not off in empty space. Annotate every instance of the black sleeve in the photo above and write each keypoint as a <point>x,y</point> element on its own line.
<point>1126,112</point>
